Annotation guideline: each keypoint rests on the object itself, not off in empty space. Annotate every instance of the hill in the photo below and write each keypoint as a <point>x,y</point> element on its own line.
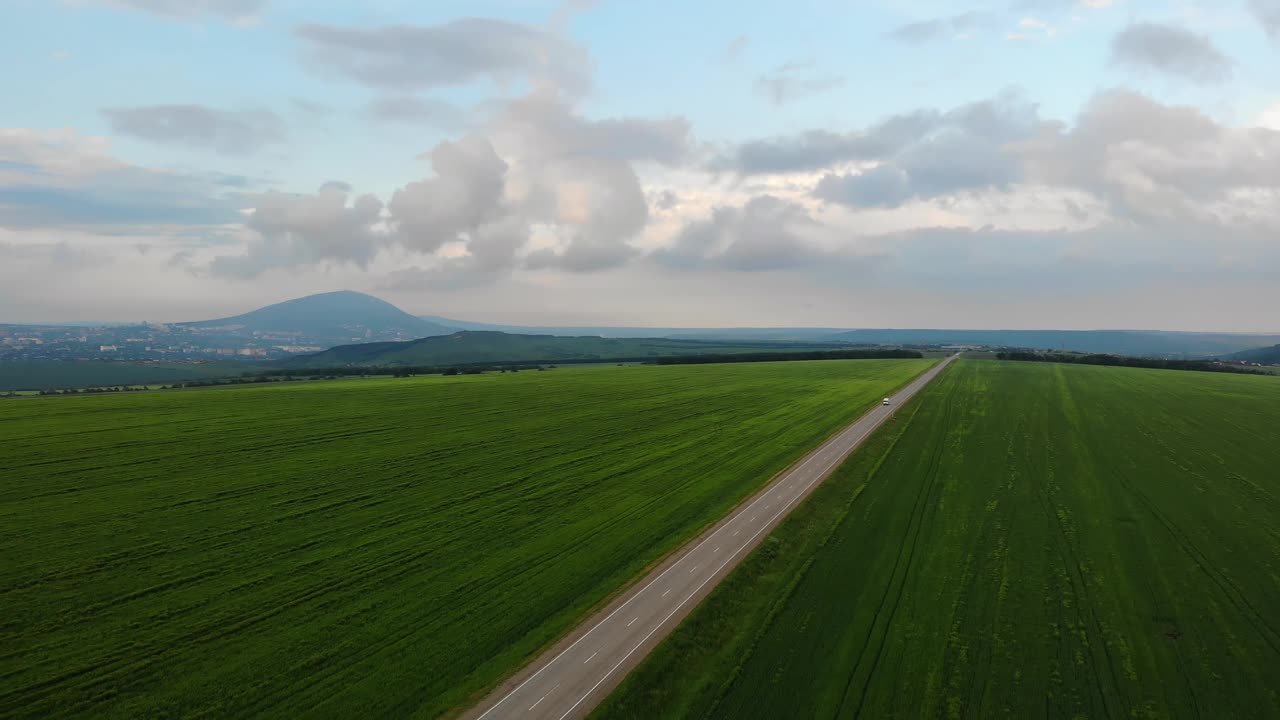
<point>1265,355</point>
<point>480,346</point>
<point>341,316</point>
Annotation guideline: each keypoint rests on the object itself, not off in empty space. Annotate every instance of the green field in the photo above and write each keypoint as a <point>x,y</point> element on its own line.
<point>364,548</point>
<point>1021,541</point>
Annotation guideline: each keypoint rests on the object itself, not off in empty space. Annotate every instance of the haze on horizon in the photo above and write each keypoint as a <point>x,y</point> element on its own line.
<point>906,163</point>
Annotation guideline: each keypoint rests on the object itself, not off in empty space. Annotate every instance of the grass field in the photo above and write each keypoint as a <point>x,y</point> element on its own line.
<point>364,548</point>
<point>1042,541</point>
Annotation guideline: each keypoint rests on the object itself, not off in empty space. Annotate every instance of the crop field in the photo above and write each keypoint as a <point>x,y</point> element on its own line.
<point>1022,540</point>
<point>364,548</point>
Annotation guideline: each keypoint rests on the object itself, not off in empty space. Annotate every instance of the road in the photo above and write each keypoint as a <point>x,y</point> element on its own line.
<point>570,679</point>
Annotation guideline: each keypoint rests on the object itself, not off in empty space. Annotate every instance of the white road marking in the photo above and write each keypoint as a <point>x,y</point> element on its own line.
<point>593,657</point>
<point>632,621</point>
<point>695,567</point>
<point>735,533</point>
<point>665,593</point>
<point>717,549</point>
<point>544,697</point>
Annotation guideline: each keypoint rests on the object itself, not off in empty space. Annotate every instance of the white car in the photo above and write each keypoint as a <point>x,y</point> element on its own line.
<point>886,401</point>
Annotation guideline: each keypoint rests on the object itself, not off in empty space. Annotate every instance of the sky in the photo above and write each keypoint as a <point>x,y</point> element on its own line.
<point>1074,164</point>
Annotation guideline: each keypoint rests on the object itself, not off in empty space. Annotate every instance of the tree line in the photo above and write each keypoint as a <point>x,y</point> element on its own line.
<point>1125,361</point>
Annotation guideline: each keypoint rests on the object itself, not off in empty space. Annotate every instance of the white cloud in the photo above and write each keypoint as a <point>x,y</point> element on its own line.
<point>1270,118</point>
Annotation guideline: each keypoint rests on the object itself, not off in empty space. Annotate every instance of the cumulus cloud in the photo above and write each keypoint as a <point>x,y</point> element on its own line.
<point>961,150</point>
<point>1170,50</point>
<point>795,80</point>
<point>492,248</point>
<point>295,229</point>
<point>942,28</point>
<point>538,163</point>
<point>60,178</point>
<point>1155,161</point>
<point>231,10</point>
<point>416,57</point>
<point>578,175</point>
<point>1268,13</point>
<point>223,131</point>
<point>765,233</point>
<point>467,191</point>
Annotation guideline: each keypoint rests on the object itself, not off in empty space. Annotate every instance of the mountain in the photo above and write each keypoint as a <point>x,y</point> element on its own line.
<point>1138,343</point>
<point>1265,355</point>
<point>328,318</point>
<point>482,346</point>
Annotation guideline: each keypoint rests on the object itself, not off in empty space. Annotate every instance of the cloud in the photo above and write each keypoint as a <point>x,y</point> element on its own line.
<point>537,163</point>
<point>225,132</point>
<point>60,178</point>
<point>492,248</point>
<point>1059,5</point>
<point>567,10</point>
<point>666,200</point>
<point>578,175</point>
<point>1268,14</point>
<point>765,233</point>
<point>794,80</point>
<point>736,47</point>
<point>60,256</point>
<point>425,112</point>
<point>1170,50</point>
<point>923,154</point>
<point>943,28</point>
<point>230,10</point>
<point>817,149</point>
<point>882,186</point>
<point>310,107</point>
<point>545,126</point>
<point>296,230</point>
<point>460,52</point>
<point>466,191</point>
<point>1152,162</point>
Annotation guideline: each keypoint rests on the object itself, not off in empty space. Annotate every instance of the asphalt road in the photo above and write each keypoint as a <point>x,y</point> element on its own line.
<point>570,679</point>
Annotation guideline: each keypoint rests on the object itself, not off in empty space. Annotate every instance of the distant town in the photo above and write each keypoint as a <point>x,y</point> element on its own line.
<point>170,342</point>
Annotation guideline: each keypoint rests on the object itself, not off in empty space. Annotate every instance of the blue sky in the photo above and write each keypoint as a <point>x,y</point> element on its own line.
<point>600,161</point>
